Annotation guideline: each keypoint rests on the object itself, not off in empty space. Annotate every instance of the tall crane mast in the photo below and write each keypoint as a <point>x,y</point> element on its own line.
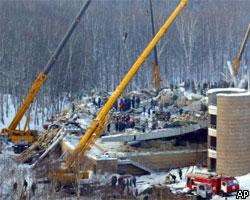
<point>15,134</point>
<point>156,75</point>
<point>97,126</point>
<point>237,59</point>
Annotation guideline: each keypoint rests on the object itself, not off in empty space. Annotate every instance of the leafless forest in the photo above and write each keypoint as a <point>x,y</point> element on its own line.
<point>108,40</point>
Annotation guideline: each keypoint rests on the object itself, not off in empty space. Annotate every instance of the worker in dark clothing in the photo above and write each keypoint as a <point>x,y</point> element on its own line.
<point>25,184</point>
<point>180,173</point>
<point>149,111</point>
<point>116,105</point>
<point>121,105</point>
<point>136,192</point>
<point>134,181</point>
<point>120,181</point>
<point>181,111</point>
<point>33,188</point>
<point>108,127</point>
<point>73,107</point>
<point>116,124</point>
<point>133,102</point>
<point>15,186</point>
<point>138,101</point>
<point>99,101</point>
<point>127,182</point>
<point>113,181</point>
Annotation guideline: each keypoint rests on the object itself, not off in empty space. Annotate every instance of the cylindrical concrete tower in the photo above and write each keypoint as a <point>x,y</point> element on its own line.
<point>212,123</point>
<point>233,134</point>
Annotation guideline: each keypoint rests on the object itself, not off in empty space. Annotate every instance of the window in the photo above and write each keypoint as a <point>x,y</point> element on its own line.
<point>213,121</point>
<point>213,143</point>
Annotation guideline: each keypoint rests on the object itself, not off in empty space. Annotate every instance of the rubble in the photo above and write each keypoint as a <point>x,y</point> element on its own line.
<point>136,112</point>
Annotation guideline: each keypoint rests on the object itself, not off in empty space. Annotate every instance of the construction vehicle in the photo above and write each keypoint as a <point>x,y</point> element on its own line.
<point>22,138</point>
<point>221,185</point>
<point>67,171</point>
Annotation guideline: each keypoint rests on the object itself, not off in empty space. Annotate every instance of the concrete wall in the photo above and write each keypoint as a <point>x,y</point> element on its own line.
<point>233,134</point>
<point>170,159</point>
<point>102,165</point>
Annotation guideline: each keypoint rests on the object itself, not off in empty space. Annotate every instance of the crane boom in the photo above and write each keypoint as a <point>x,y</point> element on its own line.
<point>98,124</point>
<point>237,60</point>
<point>43,76</point>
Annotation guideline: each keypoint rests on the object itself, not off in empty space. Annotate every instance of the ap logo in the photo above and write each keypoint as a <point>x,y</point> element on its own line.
<point>242,194</point>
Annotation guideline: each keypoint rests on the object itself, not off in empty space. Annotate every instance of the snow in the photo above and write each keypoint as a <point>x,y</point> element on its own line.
<point>234,94</point>
<point>217,90</point>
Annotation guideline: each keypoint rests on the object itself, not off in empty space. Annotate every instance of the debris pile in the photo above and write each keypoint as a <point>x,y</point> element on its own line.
<point>136,111</point>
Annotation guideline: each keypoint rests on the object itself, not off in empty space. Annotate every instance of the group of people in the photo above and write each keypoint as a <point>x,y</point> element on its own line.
<point>33,188</point>
<point>123,183</point>
<point>123,122</point>
<point>97,102</point>
<point>124,104</point>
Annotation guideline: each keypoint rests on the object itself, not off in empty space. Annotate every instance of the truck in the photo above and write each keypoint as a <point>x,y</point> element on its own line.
<point>221,185</point>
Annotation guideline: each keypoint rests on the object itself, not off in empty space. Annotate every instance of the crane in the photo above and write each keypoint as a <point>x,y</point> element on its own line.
<point>155,65</point>
<point>237,59</point>
<point>66,171</point>
<point>28,136</point>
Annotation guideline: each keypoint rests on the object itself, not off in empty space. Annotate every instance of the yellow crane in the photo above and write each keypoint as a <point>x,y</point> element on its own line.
<point>28,136</point>
<point>237,59</point>
<point>95,129</point>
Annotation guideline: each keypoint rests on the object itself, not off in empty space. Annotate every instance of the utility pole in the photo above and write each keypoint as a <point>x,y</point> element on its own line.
<point>155,65</point>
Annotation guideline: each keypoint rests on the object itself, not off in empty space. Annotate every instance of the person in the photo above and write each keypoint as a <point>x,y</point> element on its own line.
<point>138,100</point>
<point>121,105</point>
<point>127,104</point>
<point>99,101</point>
<point>94,102</point>
<point>180,173</point>
<point>181,111</point>
<point>120,181</point>
<point>136,192</point>
<point>25,184</point>
<point>33,188</point>
<point>116,105</point>
<point>15,186</point>
<point>73,107</point>
<point>108,127</point>
<point>149,112</point>
<point>116,123</point>
<point>113,181</point>
<point>134,181</point>
<point>133,101</point>
<point>131,123</point>
<point>127,182</point>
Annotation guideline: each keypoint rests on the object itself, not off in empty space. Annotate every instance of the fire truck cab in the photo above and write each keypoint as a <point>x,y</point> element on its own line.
<point>220,185</point>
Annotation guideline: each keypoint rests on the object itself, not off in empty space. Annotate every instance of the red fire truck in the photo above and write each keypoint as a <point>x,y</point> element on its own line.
<point>223,185</point>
